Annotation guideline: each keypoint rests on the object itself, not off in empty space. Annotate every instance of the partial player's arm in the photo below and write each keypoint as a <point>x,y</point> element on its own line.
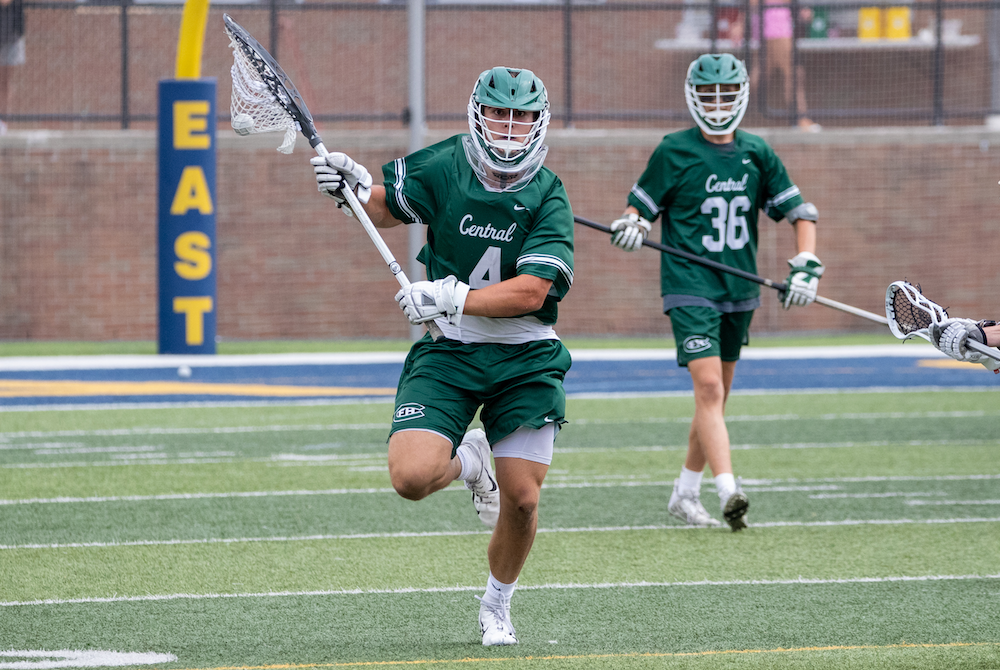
<point>806,268</point>
<point>952,337</point>
<point>449,298</point>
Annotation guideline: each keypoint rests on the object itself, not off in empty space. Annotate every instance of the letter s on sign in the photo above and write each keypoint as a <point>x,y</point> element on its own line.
<point>192,250</point>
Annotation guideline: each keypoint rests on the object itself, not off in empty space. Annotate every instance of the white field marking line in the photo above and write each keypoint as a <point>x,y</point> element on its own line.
<point>895,494</point>
<point>222,430</point>
<point>205,404</point>
<point>165,458</point>
<point>800,581</point>
<point>753,485</point>
<point>151,361</point>
<point>953,502</point>
<point>985,386</point>
<point>982,387</point>
<point>91,658</point>
<point>363,491</point>
<point>466,533</point>
<point>229,430</point>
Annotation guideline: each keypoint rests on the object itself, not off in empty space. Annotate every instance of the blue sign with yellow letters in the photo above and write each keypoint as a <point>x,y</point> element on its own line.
<point>186,200</point>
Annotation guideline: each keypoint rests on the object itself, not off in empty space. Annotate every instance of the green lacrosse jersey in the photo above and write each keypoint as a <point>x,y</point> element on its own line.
<point>709,196</point>
<point>480,236</point>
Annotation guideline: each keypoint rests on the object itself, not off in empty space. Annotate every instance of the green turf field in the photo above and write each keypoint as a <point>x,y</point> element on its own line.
<point>268,537</point>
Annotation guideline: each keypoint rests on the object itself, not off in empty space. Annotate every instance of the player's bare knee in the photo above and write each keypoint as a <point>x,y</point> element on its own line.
<point>410,484</point>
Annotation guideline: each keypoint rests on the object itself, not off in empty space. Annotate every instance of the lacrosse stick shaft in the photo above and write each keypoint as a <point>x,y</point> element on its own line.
<point>983,349</point>
<point>383,248</point>
<point>743,274</point>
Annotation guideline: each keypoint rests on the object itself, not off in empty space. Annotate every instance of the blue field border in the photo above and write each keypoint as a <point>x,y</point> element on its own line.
<point>595,373</point>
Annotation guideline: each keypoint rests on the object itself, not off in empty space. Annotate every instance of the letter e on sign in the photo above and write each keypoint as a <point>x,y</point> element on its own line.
<point>191,124</point>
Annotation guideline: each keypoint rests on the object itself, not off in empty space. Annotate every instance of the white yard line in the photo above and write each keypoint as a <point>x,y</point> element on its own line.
<point>751,485</point>
<point>463,533</point>
<point>537,587</point>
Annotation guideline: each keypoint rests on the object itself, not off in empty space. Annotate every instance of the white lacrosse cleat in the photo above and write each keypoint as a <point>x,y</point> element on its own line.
<point>494,622</point>
<point>734,508</point>
<point>485,492</point>
<point>686,506</point>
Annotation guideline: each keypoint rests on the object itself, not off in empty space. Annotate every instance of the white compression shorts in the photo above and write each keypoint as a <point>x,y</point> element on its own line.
<point>529,444</point>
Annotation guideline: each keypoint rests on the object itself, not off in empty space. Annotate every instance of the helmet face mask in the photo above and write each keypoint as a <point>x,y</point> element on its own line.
<point>508,117</point>
<point>717,91</point>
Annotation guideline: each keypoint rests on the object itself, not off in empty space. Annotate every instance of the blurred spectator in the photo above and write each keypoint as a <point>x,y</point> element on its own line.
<point>11,50</point>
<point>777,53</point>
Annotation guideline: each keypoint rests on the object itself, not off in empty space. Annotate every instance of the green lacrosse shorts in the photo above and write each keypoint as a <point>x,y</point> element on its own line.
<point>444,383</point>
<point>701,332</point>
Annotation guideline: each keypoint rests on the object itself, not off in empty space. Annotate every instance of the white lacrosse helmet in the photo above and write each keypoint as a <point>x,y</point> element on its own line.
<point>507,160</point>
<point>717,112</point>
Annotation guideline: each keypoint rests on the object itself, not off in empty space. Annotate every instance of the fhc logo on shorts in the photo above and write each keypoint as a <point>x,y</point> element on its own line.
<point>696,343</point>
<point>407,411</point>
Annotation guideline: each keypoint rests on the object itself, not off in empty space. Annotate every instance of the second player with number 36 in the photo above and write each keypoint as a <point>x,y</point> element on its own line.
<point>708,184</point>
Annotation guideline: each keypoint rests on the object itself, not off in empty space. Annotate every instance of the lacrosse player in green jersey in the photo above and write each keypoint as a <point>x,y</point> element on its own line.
<point>708,183</point>
<point>499,257</point>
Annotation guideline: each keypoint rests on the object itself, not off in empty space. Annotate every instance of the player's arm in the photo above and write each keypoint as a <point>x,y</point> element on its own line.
<point>449,298</point>
<point>516,296</point>
<point>806,267</point>
<point>992,335</point>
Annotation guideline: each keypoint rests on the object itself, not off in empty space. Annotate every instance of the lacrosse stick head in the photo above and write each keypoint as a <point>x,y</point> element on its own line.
<point>909,313</point>
<point>264,99</point>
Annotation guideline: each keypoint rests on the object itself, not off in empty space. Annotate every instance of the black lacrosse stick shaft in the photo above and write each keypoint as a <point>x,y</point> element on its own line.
<point>722,267</point>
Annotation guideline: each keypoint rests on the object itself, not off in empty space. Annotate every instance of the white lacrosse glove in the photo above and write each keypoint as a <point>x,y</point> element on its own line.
<point>952,335</point>
<point>802,281</point>
<point>338,169</point>
<point>629,231</point>
<point>427,300</point>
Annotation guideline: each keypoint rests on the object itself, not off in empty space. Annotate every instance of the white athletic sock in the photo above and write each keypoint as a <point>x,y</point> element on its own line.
<point>495,590</point>
<point>470,460</point>
<point>725,484</point>
<point>690,480</point>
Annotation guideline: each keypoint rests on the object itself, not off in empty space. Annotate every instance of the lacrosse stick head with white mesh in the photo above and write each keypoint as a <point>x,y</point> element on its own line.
<point>909,313</point>
<point>264,99</point>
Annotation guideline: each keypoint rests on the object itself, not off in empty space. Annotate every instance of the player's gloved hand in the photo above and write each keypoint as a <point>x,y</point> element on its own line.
<point>629,231</point>
<point>952,337</point>
<point>338,169</point>
<point>427,300</point>
<point>802,281</point>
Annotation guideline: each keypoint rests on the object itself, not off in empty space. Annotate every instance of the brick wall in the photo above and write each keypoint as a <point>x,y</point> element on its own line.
<point>78,233</point>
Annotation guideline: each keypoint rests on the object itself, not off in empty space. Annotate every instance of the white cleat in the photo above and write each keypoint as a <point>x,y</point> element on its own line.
<point>734,508</point>
<point>485,492</point>
<point>494,622</point>
<point>685,506</point>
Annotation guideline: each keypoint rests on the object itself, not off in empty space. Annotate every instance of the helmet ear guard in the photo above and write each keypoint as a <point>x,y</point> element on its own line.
<point>507,156</point>
<point>717,111</point>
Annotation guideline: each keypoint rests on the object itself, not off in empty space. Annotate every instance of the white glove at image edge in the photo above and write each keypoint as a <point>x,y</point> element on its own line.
<point>951,336</point>
<point>424,301</point>
<point>803,280</point>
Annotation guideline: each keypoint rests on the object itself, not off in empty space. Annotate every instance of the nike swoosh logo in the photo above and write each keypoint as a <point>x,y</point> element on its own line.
<point>549,420</point>
<point>519,208</point>
<point>746,161</point>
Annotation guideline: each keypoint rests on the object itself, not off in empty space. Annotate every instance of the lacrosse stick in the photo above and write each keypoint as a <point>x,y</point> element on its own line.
<point>265,100</point>
<point>749,276</point>
<point>910,314</point>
